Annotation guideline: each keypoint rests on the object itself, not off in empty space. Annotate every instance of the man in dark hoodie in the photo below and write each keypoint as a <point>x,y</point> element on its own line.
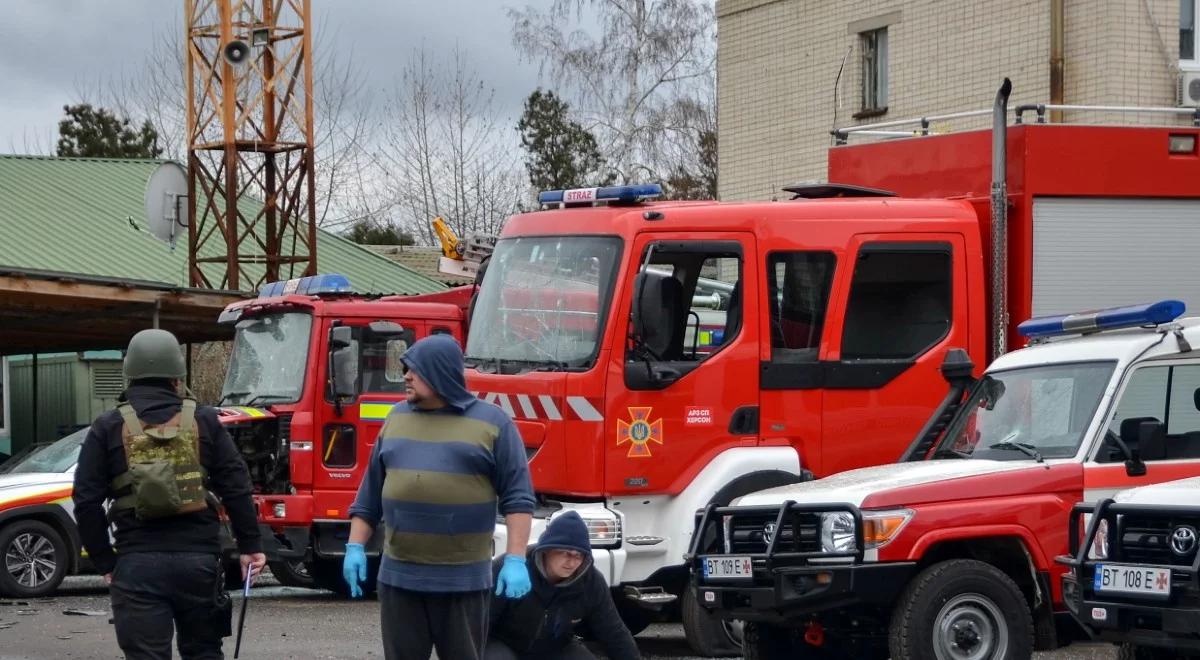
<point>166,572</point>
<point>442,465</point>
<point>567,589</point>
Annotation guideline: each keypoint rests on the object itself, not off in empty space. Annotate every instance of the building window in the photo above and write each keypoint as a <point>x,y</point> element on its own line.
<point>874,45</point>
<point>1189,40</point>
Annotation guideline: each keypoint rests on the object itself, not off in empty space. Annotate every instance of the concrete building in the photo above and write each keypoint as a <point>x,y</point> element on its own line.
<point>779,93</point>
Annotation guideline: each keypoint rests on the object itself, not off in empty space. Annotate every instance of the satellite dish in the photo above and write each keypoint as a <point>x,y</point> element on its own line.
<point>236,52</point>
<point>166,202</point>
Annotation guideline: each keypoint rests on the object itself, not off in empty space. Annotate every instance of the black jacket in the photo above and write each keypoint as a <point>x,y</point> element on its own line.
<point>102,458</point>
<point>544,620</point>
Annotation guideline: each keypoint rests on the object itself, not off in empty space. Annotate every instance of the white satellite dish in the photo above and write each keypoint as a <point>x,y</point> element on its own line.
<point>166,202</point>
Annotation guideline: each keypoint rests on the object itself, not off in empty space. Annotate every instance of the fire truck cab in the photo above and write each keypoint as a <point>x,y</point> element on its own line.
<point>314,371</point>
<point>954,555</point>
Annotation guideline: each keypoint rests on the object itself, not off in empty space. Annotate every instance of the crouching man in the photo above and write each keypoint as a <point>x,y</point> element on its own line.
<point>567,589</point>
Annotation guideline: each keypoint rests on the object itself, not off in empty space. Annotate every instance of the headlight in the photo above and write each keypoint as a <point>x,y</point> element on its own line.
<point>604,527</point>
<point>837,532</point>
<point>879,528</point>
<point>1100,545</point>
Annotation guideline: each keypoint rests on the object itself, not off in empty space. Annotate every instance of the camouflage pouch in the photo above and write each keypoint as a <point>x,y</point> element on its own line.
<point>164,477</point>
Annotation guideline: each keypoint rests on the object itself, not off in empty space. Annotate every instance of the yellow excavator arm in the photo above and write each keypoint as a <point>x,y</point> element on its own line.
<point>452,248</point>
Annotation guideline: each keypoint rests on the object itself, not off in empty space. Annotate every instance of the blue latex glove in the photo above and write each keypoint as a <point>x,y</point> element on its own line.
<point>354,568</point>
<point>513,581</point>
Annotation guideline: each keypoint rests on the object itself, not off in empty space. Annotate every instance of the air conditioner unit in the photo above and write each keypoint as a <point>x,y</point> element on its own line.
<point>1189,89</point>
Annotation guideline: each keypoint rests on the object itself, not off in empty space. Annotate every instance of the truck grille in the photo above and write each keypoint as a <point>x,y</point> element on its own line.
<point>748,533</point>
<point>1148,539</point>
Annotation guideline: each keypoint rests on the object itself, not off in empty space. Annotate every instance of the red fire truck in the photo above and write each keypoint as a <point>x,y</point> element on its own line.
<point>846,301</point>
<point>314,370</point>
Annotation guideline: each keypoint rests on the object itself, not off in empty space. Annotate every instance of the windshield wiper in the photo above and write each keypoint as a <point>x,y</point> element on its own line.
<point>1022,447</point>
<point>263,398</point>
<point>229,395</point>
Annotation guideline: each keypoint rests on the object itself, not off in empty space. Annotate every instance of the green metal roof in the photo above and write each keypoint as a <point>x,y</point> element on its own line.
<point>86,216</point>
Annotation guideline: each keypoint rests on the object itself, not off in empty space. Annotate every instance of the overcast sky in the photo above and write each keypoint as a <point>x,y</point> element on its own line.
<point>49,49</point>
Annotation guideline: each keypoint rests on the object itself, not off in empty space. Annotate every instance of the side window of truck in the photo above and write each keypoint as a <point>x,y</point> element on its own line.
<point>900,301</point>
<point>379,367</point>
<point>798,286</point>
<point>687,308</point>
<point>1168,394</point>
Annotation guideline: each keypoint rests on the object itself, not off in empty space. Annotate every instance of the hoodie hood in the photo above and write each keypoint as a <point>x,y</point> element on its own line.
<point>154,403</point>
<point>566,532</point>
<point>438,360</point>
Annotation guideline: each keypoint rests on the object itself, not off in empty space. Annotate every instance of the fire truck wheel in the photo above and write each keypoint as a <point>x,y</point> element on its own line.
<point>35,559</point>
<point>962,608</point>
<point>708,634</point>
<point>1134,652</point>
<point>327,574</point>
<point>292,573</point>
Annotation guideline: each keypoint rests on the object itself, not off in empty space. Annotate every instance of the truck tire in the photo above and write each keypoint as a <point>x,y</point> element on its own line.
<point>1129,651</point>
<point>962,608</point>
<point>35,559</point>
<point>708,634</point>
<point>292,573</point>
<point>327,574</point>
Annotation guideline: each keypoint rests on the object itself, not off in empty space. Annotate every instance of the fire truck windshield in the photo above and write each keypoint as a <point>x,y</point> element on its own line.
<point>269,359</point>
<point>1031,412</point>
<point>543,303</point>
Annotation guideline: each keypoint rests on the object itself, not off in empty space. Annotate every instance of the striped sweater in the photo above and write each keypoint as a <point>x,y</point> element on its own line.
<point>435,480</point>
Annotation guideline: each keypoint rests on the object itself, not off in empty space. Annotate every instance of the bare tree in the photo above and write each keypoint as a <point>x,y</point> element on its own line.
<point>446,152</point>
<point>628,72</point>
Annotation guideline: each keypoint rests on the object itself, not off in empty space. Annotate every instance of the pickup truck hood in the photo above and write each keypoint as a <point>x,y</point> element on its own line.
<point>855,486</point>
<point>1184,491</point>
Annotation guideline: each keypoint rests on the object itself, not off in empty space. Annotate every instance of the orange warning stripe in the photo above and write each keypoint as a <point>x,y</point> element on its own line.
<point>43,498</point>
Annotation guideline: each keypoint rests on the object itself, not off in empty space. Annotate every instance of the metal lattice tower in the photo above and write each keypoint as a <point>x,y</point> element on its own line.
<point>250,134</point>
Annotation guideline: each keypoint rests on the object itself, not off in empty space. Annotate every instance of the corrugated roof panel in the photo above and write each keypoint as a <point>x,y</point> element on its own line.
<point>85,216</point>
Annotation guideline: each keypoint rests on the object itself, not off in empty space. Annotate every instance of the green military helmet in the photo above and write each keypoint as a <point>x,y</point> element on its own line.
<point>154,354</point>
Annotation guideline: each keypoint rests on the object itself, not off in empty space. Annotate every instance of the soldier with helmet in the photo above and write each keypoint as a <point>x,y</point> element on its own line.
<point>160,459</point>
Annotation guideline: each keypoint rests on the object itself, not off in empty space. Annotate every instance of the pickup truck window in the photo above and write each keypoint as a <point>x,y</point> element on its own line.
<point>1014,413</point>
<point>1166,393</point>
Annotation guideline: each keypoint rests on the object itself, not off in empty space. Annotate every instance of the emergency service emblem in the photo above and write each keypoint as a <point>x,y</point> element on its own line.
<point>639,432</point>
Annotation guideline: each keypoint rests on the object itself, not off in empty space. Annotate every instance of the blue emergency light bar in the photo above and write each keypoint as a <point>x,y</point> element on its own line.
<point>307,286</point>
<point>625,194</point>
<point>1131,316</point>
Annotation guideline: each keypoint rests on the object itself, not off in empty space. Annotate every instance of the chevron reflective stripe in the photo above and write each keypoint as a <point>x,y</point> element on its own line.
<point>551,409</point>
<point>375,411</point>
<point>527,408</point>
<point>545,407</point>
<point>584,409</point>
<point>251,412</point>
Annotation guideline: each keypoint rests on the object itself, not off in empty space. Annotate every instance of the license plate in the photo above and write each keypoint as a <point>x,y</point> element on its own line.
<point>1141,580</point>
<point>727,568</point>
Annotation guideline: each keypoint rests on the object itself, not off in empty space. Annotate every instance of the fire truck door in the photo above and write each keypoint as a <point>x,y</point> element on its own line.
<point>344,441</point>
<point>688,382</point>
<point>900,306</point>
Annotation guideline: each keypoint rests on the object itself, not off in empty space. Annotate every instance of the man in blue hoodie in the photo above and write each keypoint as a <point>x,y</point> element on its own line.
<point>567,590</point>
<point>444,461</point>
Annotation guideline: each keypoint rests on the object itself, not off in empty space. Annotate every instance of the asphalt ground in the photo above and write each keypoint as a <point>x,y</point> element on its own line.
<point>281,622</point>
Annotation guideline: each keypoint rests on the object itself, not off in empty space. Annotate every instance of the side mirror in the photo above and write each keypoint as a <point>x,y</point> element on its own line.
<point>343,365</point>
<point>1136,434</point>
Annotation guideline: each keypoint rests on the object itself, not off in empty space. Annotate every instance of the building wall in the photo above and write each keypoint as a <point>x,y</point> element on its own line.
<point>778,59</point>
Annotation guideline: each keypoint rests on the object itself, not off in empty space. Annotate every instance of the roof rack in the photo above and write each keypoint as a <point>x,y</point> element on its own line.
<point>921,126</point>
<point>833,190</point>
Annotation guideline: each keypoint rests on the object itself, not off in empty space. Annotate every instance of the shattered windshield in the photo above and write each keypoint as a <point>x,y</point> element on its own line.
<point>58,456</point>
<point>270,353</point>
<point>1028,413</point>
<point>543,303</point>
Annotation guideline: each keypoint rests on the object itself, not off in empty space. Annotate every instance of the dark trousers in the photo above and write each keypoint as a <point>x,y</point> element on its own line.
<point>416,622</point>
<point>574,650</point>
<point>157,593</point>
